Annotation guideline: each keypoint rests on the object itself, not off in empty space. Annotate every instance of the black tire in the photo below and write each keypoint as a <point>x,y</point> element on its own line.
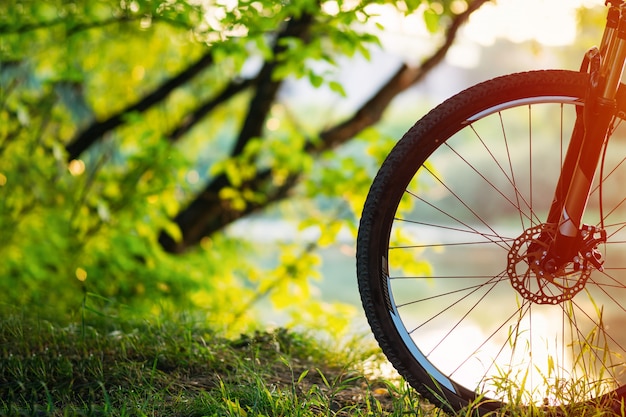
<point>441,240</point>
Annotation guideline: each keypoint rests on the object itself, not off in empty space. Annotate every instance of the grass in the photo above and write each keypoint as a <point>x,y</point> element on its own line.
<point>181,368</point>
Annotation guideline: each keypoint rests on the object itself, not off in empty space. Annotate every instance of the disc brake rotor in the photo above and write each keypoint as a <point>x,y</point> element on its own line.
<point>529,277</point>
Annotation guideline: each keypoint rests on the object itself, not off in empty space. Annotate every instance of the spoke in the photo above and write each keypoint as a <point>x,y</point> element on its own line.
<point>462,318</point>
<point>598,324</point>
<point>431,277</point>
<point>436,245</point>
<point>469,228</point>
<point>621,225</point>
<point>510,179</point>
<point>606,216</point>
<point>490,183</point>
<point>614,170</point>
<point>493,282</point>
<point>530,155</point>
<point>493,334</point>
<point>518,194</point>
<point>602,287</point>
<point>464,289</point>
<point>496,237</point>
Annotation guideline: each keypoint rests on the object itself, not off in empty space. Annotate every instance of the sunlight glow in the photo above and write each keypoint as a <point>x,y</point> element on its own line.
<point>81,274</point>
<point>193,177</point>
<point>76,167</point>
<point>273,124</point>
<point>549,22</point>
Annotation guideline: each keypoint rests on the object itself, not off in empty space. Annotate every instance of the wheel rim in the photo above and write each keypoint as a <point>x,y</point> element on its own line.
<point>453,302</point>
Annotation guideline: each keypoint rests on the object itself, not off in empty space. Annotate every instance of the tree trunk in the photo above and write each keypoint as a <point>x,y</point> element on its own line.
<point>208,213</point>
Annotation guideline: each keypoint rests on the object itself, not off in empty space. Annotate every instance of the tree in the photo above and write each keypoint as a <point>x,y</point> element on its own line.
<point>172,110</point>
<point>288,36</point>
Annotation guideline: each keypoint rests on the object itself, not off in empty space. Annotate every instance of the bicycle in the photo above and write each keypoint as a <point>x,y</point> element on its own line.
<point>490,255</point>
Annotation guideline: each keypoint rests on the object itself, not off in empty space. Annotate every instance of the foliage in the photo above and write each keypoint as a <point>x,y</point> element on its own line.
<point>64,221</point>
<point>127,127</point>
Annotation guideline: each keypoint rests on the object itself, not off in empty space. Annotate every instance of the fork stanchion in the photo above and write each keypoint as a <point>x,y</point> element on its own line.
<point>608,38</point>
<point>613,62</point>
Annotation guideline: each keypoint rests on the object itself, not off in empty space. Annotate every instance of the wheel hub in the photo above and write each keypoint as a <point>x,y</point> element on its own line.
<point>538,278</point>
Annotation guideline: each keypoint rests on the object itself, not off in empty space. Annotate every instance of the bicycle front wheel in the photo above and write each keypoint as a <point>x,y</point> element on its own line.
<point>442,254</point>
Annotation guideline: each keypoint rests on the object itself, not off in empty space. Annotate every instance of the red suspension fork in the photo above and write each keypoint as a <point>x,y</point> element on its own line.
<point>605,67</point>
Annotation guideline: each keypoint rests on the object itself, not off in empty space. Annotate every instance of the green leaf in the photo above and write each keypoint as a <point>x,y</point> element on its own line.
<point>315,79</point>
<point>282,71</point>
<point>412,5</point>
<point>431,19</point>
<point>337,88</point>
<point>173,230</point>
<point>233,173</point>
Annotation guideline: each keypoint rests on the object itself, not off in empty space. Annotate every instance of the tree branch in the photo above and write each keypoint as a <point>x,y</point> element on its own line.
<point>208,213</point>
<point>76,26</point>
<point>97,129</point>
<point>199,113</point>
<point>267,87</point>
<point>372,111</point>
<point>70,28</point>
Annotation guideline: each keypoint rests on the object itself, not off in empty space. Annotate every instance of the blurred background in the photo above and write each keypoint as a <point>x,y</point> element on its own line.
<point>211,158</point>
